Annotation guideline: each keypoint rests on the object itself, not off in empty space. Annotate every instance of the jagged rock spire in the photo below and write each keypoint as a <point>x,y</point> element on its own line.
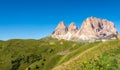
<point>72,28</point>
<point>61,25</point>
<point>60,30</point>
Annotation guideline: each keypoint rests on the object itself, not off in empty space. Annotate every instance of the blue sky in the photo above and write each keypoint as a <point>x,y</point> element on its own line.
<point>26,19</point>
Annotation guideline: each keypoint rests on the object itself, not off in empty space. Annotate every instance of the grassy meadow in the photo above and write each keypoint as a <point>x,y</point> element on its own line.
<point>53,54</point>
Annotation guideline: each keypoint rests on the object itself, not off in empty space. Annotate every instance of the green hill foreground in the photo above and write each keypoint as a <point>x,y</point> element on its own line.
<point>53,54</point>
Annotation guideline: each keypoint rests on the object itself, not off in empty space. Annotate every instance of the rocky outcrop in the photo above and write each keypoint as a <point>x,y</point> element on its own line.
<point>72,28</point>
<point>92,28</point>
<point>95,28</point>
<point>118,36</point>
<point>60,31</point>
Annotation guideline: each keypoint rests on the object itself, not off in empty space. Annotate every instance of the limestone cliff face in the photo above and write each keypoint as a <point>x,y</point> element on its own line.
<point>61,31</point>
<point>92,28</point>
<point>96,28</point>
<point>72,28</point>
<point>118,36</point>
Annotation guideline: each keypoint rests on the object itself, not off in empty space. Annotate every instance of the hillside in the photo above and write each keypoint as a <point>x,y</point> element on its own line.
<point>102,56</point>
<point>33,54</point>
<point>49,53</point>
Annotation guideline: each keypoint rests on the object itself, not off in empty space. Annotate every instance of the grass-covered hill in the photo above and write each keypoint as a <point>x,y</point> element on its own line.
<point>33,54</point>
<point>52,54</point>
<point>101,56</point>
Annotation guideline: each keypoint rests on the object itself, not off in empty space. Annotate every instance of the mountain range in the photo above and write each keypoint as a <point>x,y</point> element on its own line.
<point>92,29</point>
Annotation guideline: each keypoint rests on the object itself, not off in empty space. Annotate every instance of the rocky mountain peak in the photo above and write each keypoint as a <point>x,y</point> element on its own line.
<point>92,28</point>
<point>72,28</point>
<point>96,28</point>
<point>60,31</point>
<point>61,25</point>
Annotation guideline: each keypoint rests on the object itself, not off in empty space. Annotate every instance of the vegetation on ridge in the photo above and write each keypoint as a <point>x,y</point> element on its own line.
<point>104,56</point>
<point>49,53</point>
<point>33,54</point>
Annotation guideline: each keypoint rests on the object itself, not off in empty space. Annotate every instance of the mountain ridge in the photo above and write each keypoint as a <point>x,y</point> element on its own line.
<point>92,28</point>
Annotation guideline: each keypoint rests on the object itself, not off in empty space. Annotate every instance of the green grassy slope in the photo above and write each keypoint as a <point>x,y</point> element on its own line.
<point>103,56</point>
<point>49,53</point>
<point>33,54</point>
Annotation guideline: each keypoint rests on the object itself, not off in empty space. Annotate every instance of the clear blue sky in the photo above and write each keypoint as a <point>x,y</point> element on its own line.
<point>26,19</point>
